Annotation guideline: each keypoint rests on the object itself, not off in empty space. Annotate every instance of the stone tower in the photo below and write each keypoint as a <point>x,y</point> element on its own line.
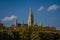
<point>30,18</point>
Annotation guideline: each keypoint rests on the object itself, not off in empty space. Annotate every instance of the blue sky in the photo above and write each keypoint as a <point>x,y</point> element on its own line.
<point>47,11</point>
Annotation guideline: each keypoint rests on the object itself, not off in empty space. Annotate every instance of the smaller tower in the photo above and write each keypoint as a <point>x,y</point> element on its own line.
<point>15,23</point>
<point>1,23</point>
<point>35,23</point>
<point>22,23</point>
<point>41,24</point>
<point>48,25</point>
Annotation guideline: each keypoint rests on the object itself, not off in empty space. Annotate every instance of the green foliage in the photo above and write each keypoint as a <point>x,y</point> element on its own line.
<point>29,33</point>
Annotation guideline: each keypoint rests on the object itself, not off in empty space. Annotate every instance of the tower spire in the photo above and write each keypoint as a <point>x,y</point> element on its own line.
<point>15,23</point>
<point>35,23</point>
<point>41,25</point>
<point>0,21</point>
<point>22,23</point>
<point>30,18</point>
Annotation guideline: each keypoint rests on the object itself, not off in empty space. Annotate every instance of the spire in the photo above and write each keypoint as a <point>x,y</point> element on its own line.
<point>0,21</point>
<point>30,12</point>
<point>15,23</point>
<point>22,23</point>
<point>35,23</point>
<point>48,25</point>
<point>30,18</point>
<point>41,24</point>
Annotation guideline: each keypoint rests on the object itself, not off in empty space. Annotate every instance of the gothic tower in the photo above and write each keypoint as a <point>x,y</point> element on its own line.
<point>30,18</point>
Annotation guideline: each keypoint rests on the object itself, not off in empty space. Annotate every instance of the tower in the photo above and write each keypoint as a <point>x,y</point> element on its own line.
<point>41,25</point>
<point>15,23</point>
<point>30,18</point>
<point>22,23</point>
<point>35,23</point>
<point>1,23</point>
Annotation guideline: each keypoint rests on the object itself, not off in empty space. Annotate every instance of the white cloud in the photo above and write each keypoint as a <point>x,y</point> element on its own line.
<point>53,7</point>
<point>41,8</point>
<point>8,18</point>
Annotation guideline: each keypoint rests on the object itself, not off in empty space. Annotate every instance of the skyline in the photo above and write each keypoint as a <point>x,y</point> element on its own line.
<point>47,11</point>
